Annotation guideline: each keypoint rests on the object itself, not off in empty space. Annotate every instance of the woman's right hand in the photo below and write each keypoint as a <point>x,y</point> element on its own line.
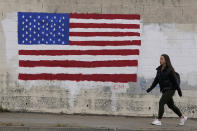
<point>148,90</point>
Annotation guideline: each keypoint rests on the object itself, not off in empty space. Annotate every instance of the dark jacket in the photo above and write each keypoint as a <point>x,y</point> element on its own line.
<point>166,80</point>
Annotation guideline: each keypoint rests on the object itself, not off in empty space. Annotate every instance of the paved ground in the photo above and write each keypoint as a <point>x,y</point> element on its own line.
<point>60,122</point>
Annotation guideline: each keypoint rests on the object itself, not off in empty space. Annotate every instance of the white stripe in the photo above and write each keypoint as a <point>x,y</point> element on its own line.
<point>73,47</point>
<point>103,38</point>
<point>112,21</point>
<point>98,70</point>
<point>69,83</point>
<point>79,57</point>
<point>102,30</point>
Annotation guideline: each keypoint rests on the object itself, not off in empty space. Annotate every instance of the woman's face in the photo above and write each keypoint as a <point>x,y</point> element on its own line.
<point>162,60</point>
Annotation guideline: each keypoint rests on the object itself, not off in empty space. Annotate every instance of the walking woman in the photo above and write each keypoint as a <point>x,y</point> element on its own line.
<point>166,77</point>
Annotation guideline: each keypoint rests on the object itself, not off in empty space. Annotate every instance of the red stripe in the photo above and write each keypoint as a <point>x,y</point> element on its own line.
<point>80,52</point>
<point>124,78</point>
<point>104,34</point>
<point>106,16</point>
<point>95,25</point>
<point>105,43</point>
<point>67,63</point>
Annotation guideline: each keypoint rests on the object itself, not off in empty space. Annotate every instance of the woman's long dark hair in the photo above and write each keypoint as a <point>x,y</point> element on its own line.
<point>168,63</point>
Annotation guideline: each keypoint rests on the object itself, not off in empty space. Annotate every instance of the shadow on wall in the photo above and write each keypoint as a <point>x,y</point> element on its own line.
<point>143,84</point>
<point>140,87</point>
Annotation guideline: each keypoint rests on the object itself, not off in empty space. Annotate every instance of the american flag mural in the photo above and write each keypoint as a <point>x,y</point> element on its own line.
<point>78,47</point>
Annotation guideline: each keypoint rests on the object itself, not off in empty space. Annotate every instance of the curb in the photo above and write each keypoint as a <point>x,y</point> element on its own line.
<point>17,128</point>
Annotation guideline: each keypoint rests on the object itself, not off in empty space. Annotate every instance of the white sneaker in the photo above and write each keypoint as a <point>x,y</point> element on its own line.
<point>156,122</point>
<point>182,121</point>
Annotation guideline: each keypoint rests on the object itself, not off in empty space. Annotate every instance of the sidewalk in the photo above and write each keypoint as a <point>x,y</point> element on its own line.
<point>61,122</point>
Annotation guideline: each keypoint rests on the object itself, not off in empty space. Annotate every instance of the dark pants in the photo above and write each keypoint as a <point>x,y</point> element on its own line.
<point>167,98</point>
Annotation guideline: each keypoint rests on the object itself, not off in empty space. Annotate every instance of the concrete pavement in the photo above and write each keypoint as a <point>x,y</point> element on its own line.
<point>60,122</point>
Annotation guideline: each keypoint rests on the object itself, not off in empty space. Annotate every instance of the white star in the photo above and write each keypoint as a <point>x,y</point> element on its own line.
<point>38,42</point>
<point>58,39</point>
<point>30,35</point>
<point>62,35</point>
<point>23,41</point>
<point>43,26</point>
<point>63,17</point>
<point>47,42</point>
<point>34,26</point>
<point>51,20</point>
<point>54,17</point>
<point>23,22</point>
<point>51,33</point>
<point>26,20</point>
<point>30,23</point>
<point>23,16</point>
<point>30,29</point>
<point>43,33</point>
<point>23,35</point>
<point>34,39</point>
<point>50,39</point>
<point>62,29</point>
<point>34,32</point>
<point>23,29</point>
<point>26,32</point>
<point>34,20</point>
<point>42,20</point>
<point>26,26</point>
<point>38,23</point>
<point>26,39</point>
<point>53,42</point>
<point>47,34</point>
<point>47,16</point>
<point>30,41</point>
<point>42,39</point>
<point>38,17</point>
<point>60,21</point>
<point>54,35</point>
<point>38,28</point>
<point>30,16</point>
<point>47,28</point>
<point>53,29</point>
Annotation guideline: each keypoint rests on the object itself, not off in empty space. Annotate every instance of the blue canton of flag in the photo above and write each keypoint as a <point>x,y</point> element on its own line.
<point>43,28</point>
